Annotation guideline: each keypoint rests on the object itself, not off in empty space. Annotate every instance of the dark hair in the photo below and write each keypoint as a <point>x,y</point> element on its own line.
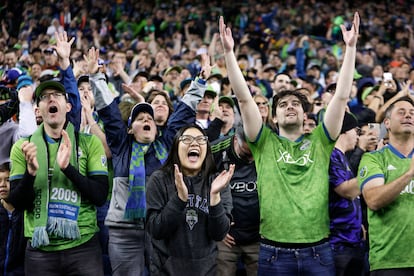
<point>285,93</point>
<point>281,73</point>
<point>155,92</point>
<point>5,167</point>
<point>208,168</point>
<point>391,107</point>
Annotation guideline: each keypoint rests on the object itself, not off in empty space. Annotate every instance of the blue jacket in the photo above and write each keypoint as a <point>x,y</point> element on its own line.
<point>120,142</point>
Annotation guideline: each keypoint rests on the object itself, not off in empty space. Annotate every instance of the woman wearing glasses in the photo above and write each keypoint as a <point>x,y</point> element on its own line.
<point>188,207</point>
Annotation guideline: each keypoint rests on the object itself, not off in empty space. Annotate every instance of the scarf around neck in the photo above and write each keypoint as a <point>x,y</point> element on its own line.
<point>57,200</point>
<point>136,205</point>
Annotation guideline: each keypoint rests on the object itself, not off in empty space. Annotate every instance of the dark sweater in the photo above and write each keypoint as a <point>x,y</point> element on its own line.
<point>184,234</point>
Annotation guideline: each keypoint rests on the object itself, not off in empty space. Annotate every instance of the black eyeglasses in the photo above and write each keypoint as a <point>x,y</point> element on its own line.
<point>188,139</point>
<point>261,103</point>
<point>47,96</point>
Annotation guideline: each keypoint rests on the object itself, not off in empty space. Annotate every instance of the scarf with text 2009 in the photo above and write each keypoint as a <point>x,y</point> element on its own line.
<point>136,206</point>
<point>60,200</point>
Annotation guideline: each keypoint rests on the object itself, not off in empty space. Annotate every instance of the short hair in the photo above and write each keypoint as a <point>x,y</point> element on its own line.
<point>391,106</point>
<point>282,73</point>
<point>285,93</point>
<point>5,167</point>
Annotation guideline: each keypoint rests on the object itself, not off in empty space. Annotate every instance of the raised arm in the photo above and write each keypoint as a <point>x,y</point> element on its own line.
<point>336,108</point>
<point>252,120</point>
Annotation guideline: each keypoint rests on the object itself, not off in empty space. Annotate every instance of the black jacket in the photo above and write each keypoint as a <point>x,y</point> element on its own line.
<point>12,243</point>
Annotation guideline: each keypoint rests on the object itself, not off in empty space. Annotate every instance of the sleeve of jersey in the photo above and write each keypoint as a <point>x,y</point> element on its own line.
<point>337,169</point>
<point>369,168</point>
<point>97,162</point>
<point>18,162</point>
<point>258,145</point>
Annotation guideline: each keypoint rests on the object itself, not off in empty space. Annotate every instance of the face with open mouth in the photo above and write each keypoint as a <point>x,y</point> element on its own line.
<point>53,107</point>
<point>192,150</point>
<point>143,128</point>
<point>289,111</point>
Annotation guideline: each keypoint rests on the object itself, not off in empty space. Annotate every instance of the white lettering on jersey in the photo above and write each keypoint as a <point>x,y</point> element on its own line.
<point>301,161</point>
<point>240,187</point>
<point>196,201</point>
<point>409,189</point>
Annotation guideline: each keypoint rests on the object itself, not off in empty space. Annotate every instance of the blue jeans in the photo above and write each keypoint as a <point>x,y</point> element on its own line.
<point>126,251</point>
<point>85,259</point>
<point>315,260</point>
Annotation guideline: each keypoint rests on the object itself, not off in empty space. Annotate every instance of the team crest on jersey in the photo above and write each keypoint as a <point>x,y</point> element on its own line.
<point>191,218</point>
<point>363,172</point>
<point>103,160</point>
<point>305,144</point>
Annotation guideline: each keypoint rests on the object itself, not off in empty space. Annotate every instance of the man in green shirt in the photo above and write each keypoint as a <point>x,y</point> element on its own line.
<point>58,176</point>
<point>386,178</point>
<point>292,168</point>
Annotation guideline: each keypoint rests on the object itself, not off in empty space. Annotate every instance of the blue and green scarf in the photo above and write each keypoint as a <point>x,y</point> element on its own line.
<point>57,200</point>
<point>136,205</point>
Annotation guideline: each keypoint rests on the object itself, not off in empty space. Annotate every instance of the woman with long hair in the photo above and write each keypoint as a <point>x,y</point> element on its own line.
<point>188,207</point>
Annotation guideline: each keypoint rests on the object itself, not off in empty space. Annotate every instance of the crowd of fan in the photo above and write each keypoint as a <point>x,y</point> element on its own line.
<point>152,49</point>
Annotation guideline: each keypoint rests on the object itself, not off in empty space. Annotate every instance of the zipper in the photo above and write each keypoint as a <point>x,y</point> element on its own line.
<point>6,260</point>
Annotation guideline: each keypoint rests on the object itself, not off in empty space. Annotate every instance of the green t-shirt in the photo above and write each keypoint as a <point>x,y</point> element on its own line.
<point>391,229</point>
<point>92,161</point>
<point>293,185</point>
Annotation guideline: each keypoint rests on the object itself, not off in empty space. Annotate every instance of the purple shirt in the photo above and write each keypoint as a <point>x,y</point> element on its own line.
<point>345,214</point>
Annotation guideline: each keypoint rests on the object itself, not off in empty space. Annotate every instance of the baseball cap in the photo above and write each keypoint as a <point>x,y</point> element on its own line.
<point>226,99</point>
<point>349,122</point>
<point>83,78</point>
<point>368,90</point>
<point>13,74</point>
<point>172,68</point>
<point>138,108</point>
<point>210,91</point>
<point>50,84</point>
<point>24,80</point>
<point>185,82</point>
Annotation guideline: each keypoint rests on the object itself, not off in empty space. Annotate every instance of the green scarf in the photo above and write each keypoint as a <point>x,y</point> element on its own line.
<point>136,205</point>
<point>57,200</point>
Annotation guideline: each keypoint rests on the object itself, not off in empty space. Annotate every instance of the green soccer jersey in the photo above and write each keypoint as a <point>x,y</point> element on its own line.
<point>293,185</point>
<point>92,161</point>
<point>391,228</point>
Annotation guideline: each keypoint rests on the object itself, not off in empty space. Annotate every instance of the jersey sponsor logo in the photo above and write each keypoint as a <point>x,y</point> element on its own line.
<point>241,187</point>
<point>288,159</point>
<point>363,172</point>
<point>409,189</point>
<point>391,168</point>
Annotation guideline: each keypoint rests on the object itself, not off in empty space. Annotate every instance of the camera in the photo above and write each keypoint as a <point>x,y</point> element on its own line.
<point>7,93</point>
